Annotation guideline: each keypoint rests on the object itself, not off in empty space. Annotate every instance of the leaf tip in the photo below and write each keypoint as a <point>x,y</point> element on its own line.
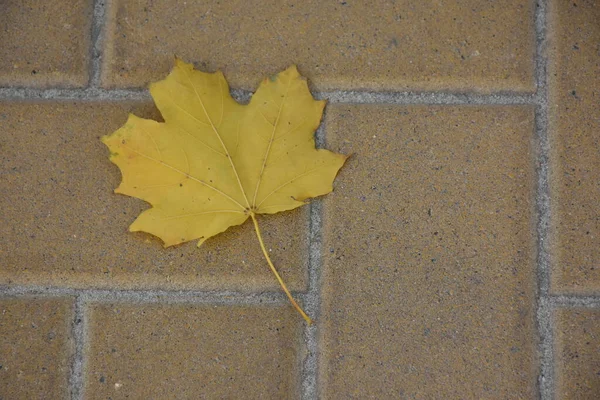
<point>178,62</point>
<point>322,104</point>
<point>290,72</point>
<point>294,73</point>
<point>180,65</point>
<point>132,117</point>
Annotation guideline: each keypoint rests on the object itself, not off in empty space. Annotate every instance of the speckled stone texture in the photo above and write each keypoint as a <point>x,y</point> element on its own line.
<point>35,348</point>
<point>62,224</point>
<point>428,254</point>
<point>192,352</point>
<point>44,43</point>
<point>435,270</point>
<point>578,354</point>
<point>575,133</point>
<point>469,45</point>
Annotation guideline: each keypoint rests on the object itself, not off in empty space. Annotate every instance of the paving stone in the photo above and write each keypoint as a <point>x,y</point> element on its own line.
<point>62,224</point>
<point>578,354</point>
<point>468,46</point>
<point>575,123</point>
<point>192,352</point>
<point>429,272</point>
<point>35,348</point>
<point>45,43</point>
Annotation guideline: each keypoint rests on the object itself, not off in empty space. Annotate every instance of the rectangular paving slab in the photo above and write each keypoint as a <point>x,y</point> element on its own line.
<point>577,339</point>
<point>574,130</point>
<point>62,224</point>
<point>45,44</point>
<point>143,351</point>
<point>428,285</point>
<point>36,348</point>
<point>468,46</point>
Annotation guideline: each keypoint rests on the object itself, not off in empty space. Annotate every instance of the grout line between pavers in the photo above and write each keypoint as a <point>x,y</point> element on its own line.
<point>359,97</point>
<point>97,42</point>
<point>312,300</point>
<point>78,333</point>
<point>544,315</point>
<point>90,94</point>
<point>428,98</point>
<point>152,296</point>
<point>560,301</point>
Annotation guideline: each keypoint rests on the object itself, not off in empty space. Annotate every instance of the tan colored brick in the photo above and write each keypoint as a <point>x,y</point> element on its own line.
<point>192,352</point>
<point>35,348</point>
<point>575,123</point>
<point>62,225</point>
<point>474,45</point>
<point>578,354</point>
<point>429,268</point>
<point>45,43</point>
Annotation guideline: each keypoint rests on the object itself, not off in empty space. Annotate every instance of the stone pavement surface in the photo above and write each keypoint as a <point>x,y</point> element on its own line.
<point>456,259</point>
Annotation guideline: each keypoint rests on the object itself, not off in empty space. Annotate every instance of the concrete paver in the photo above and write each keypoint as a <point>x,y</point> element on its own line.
<point>45,44</point>
<point>192,352</point>
<point>428,284</point>
<point>578,354</point>
<point>401,45</point>
<point>35,348</point>
<point>62,225</point>
<point>574,131</point>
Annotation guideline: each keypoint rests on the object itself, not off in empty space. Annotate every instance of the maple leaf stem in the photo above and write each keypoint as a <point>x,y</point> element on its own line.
<point>283,286</point>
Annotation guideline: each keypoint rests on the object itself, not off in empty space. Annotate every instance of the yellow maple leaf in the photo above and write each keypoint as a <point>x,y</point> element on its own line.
<point>214,163</point>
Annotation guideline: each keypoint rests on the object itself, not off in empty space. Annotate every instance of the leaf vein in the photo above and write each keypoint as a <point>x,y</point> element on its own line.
<point>195,138</point>
<point>187,175</point>
<point>219,137</point>
<point>201,213</point>
<point>185,111</point>
<point>290,181</point>
<point>290,131</point>
<point>155,144</point>
<point>262,170</point>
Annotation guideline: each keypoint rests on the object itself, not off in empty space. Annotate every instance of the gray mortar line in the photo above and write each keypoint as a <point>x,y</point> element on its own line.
<point>151,296</point>
<point>97,42</point>
<point>545,348</point>
<point>369,97</point>
<point>560,301</point>
<point>357,97</point>
<point>90,94</point>
<point>544,304</point>
<point>312,300</point>
<point>78,332</point>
